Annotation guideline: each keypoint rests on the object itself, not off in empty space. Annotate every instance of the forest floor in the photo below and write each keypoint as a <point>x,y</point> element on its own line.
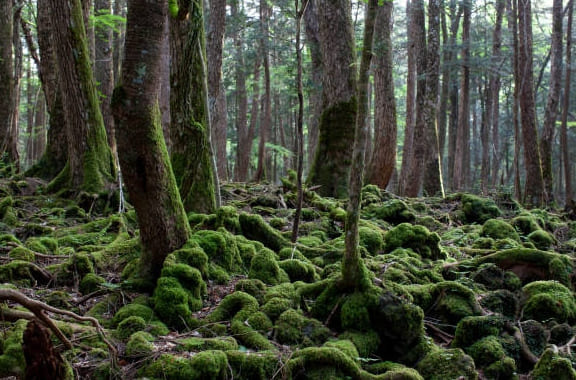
<point>458,288</point>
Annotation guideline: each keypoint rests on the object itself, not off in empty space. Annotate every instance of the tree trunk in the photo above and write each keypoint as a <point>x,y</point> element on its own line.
<point>266,121</point>
<point>534,192</point>
<point>495,90</point>
<point>565,107</point>
<point>141,148</point>
<point>119,37</point>
<point>407,148</point>
<point>333,156</point>
<point>90,166</point>
<point>547,138</point>
<point>56,153</point>
<point>6,81</point>
<point>245,145</point>
<point>39,127</point>
<point>216,93</point>
<point>353,271</point>
<point>104,69</point>
<point>432,181</point>
<point>413,181</point>
<point>189,132</point>
<point>513,26</point>
<point>462,146</point>
<point>383,159</point>
<point>315,77</point>
<point>29,115</point>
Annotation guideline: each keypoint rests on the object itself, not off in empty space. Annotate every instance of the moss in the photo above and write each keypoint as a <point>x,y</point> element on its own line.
<point>254,287</point>
<point>417,238</point>
<point>221,248</point>
<point>264,267</point>
<point>355,311</point>
<point>174,304</point>
<point>502,302</point>
<point>129,326</point>
<point>23,272</point>
<point>499,229</point>
<point>366,342</point>
<point>5,204</point>
<point>393,211</point>
<point>6,239</point>
<point>344,345</point>
<point>541,239</point>
<point>189,278</point>
<point>202,344</point>
<point>526,224</point>
<point>560,334</point>
<point>553,366</point>
<point>276,306</point>
<point>295,329</point>
<point>338,214</point>
<point>489,275</point>
<point>227,217</point>
<point>140,344</point>
<point>501,369</point>
<point>371,239</point>
<point>12,362</point>
<point>478,210</point>
<point>203,365</point>
<point>253,366</point>
<point>44,245</point>
<point>90,283</point>
<point>292,254</point>
<point>298,270</point>
<point>22,253</point>
<point>255,228</point>
<point>235,305</point>
<point>133,309</point>
<point>486,351</point>
<point>547,300</point>
<point>471,329</point>
<point>59,299</point>
<point>249,336</point>
<point>447,364</point>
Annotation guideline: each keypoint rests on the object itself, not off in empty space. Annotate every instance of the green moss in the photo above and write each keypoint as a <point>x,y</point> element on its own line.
<point>264,267</point>
<point>486,351</point>
<point>447,364</point>
<point>371,239</point>
<point>174,304</point>
<point>278,223</point>
<point>44,245</point>
<point>489,275</point>
<point>12,362</point>
<point>129,326</point>
<point>249,337</point>
<point>24,272</point>
<point>254,287</point>
<point>417,238</point>
<point>260,366</point>
<point>9,238</point>
<point>560,334</point>
<point>255,228</point>
<point>221,248</point>
<point>76,267</point>
<point>366,342</point>
<point>526,224</point>
<point>471,329</point>
<point>140,344</point>
<point>541,239</point>
<point>203,344</point>
<point>502,302</point>
<point>227,217</point>
<point>501,369</point>
<point>5,204</point>
<point>203,365</point>
<point>478,210</point>
<point>344,345</point>
<point>338,214</point>
<point>393,211</point>
<point>499,229</point>
<point>298,270</point>
<point>22,253</point>
<point>235,305</point>
<point>189,278</point>
<point>133,309</point>
<point>276,306</point>
<point>547,300</point>
<point>295,329</point>
<point>355,312</point>
<point>90,283</point>
<point>59,299</point>
<point>553,366</point>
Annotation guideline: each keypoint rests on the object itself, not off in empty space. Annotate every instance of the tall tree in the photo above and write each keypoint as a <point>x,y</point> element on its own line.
<point>216,92</point>
<point>90,165</point>
<point>314,76</point>
<point>383,159</point>
<point>141,149</point>
<point>189,130</point>
<point>333,155</point>
<point>7,145</point>
<point>494,91</point>
<point>550,115</point>
<point>353,271</point>
<point>534,187</point>
<point>566,104</point>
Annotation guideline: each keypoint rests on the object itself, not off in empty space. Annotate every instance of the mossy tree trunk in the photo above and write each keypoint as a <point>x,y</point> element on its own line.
<point>331,165</point>
<point>564,127</point>
<point>383,159</point>
<point>7,101</point>
<point>90,166</point>
<point>189,129</point>
<point>493,100</point>
<point>353,271</point>
<point>142,153</point>
<point>55,156</point>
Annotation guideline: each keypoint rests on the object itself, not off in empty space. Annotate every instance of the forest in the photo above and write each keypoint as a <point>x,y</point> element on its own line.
<point>306,189</point>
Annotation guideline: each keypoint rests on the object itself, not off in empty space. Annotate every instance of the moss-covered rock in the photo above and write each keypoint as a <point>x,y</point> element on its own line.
<point>476,209</point>
<point>12,362</point>
<point>140,344</point>
<point>502,302</point>
<point>366,342</point>
<point>299,270</point>
<point>227,217</point>
<point>203,344</point>
<point>174,304</point>
<point>256,288</point>
<point>560,334</point>
<point>486,351</point>
<point>526,224</point>
<point>553,366</point>
<point>447,364</point>
<point>499,229</point>
<point>417,238</point>
<point>260,366</point>
<point>541,239</point>
<point>394,211</point>
<point>371,239</point>
<point>22,253</point>
<point>549,300</point>
<point>295,329</point>
<point>132,309</point>
<point>255,228</point>
<point>129,326</point>
<point>471,329</point>
<point>264,267</point>
<point>90,283</point>
<point>203,365</point>
<point>221,248</point>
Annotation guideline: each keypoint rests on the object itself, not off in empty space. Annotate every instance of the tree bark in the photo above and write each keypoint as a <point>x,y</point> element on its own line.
<point>189,132</point>
<point>216,93</point>
<point>564,129</point>
<point>141,149</point>
<point>331,165</point>
<point>534,191</point>
<point>383,159</point>
<point>494,105</point>
<point>6,81</point>
<point>90,166</point>
<point>551,112</point>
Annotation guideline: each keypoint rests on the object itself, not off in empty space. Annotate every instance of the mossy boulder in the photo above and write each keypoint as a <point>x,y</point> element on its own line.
<point>561,333</point>
<point>293,328</point>
<point>394,211</point>
<point>203,365</point>
<point>447,364</point>
<point>227,217</point>
<point>244,366</point>
<point>552,366</point>
<point>486,351</point>
<point>526,224</point>
<point>371,239</point>
<point>90,283</point>
<point>221,248</point>
<point>298,270</point>
<point>264,267</point>
<point>255,228</point>
<point>193,256</point>
<point>471,329</point>
<point>129,326</point>
<point>499,229</point>
<point>12,362</point>
<point>417,238</point>
<point>22,253</point>
<point>202,344</point>
<point>549,300</point>
<point>132,309</point>
<point>476,209</point>
<point>140,344</point>
<point>502,302</point>
<point>174,304</point>
<point>541,239</point>
<point>256,288</point>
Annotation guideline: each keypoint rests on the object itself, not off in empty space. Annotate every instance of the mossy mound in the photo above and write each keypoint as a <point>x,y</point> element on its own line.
<point>394,211</point>
<point>299,270</point>
<point>174,304</point>
<point>129,326</point>
<point>140,344</point>
<point>501,301</point>
<point>499,229</point>
<point>553,366</point>
<point>293,328</point>
<point>255,228</point>
<point>476,209</point>
<point>221,248</point>
<point>264,267</point>
<point>541,239</point>
<point>371,239</point>
<point>417,238</point>
<point>549,300</point>
<point>200,344</point>
<point>12,362</point>
<point>447,364</point>
<point>227,217</point>
<point>471,329</point>
<point>203,365</point>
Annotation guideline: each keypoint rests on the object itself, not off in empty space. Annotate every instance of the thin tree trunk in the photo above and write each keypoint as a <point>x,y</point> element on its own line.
<point>550,115</point>
<point>141,148</point>
<point>456,15</point>
<point>29,115</point>
<point>383,159</point>
<point>245,145</point>
<point>495,90</point>
<point>513,25</point>
<point>119,37</point>
<point>565,107</point>
<point>40,127</point>
<point>6,79</point>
